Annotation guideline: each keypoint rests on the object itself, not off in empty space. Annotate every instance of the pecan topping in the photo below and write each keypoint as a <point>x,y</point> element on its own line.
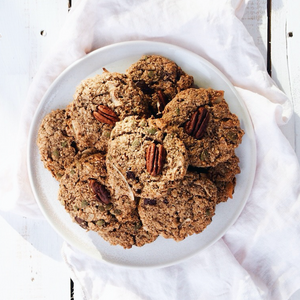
<point>162,101</point>
<point>105,115</point>
<point>100,191</point>
<point>155,159</point>
<point>197,125</point>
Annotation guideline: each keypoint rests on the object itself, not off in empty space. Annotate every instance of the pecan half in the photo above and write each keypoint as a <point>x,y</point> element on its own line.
<point>105,115</point>
<point>155,159</point>
<point>99,190</point>
<point>162,101</point>
<point>197,125</point>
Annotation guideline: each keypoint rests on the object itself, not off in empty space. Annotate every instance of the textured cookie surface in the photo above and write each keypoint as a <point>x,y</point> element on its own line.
<point>224,177</point>
<point>100,102</point>
<point>127,233</point>
<point>202,120</point>
<point>131,140</point>
<point>56,147</point>
<point>185,210</point>
<point>95,205</point>
<point>160,79</point>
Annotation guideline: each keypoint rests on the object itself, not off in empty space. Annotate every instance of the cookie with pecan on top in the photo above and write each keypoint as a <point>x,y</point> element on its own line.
<point>147,157</point>
<point>99,102</point>
<point>94,204</point>
<point>202,120</point>
<point>160,79</point>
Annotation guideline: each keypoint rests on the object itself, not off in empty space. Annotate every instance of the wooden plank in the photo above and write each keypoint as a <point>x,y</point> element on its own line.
<point>256,21</point>
<point>30,261</point>
<point>285,66</point>
<point>283,52</point>
<point>292,37</point>
<point>292,45</point>
<point>22,50</point>
<point>279,60</point>
<point>280,72</point>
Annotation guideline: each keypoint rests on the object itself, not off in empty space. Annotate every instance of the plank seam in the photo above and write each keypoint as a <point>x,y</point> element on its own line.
<point>269,41</point>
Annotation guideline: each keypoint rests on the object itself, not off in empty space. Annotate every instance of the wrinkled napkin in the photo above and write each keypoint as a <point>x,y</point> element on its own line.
<point>258,257</point>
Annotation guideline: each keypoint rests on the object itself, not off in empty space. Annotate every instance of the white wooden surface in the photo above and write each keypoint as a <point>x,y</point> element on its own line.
<point>30,263</point>
<point>31,266</point>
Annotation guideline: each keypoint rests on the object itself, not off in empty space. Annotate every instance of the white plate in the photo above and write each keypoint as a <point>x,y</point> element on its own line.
<point>162,252</point>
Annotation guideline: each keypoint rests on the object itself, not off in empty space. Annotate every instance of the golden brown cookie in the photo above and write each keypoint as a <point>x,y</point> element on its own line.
<point>186,209</point>
<point>224,177</point>
<point>202,120</point>
<point>57,148</point>
<point>160,79</point>
<point>146,156</point>
<point>95,205</point>
<point>99,102</point>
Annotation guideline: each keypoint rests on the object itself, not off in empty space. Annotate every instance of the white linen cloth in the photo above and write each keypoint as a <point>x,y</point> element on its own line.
<point>259,256</point>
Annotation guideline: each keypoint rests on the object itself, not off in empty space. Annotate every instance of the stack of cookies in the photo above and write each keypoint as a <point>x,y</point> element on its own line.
<point>142,154</point>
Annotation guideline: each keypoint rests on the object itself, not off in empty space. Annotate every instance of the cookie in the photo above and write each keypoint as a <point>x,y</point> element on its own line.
<point>186,209</point>
<point>202,120</point>
<point>224,177</point>
<point>147,157</point>
<point>93,204</point>
<point>160,79</point>
<point>99,102</point>
<point>128,233</point>
<point>57,148</point>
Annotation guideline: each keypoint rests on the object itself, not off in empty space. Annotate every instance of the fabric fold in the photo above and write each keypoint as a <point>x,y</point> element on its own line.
<point>224,278</point>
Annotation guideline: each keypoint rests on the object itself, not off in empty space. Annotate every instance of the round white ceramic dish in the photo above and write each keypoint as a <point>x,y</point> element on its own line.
<point>162,252</point>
